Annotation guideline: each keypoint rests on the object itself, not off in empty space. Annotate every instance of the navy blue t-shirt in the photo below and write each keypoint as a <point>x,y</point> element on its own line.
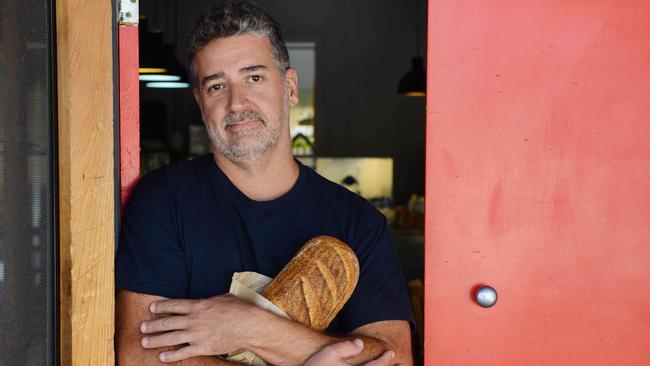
<point>187,229</point>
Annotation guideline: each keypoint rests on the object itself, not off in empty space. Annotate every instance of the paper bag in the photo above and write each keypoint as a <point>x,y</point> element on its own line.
<point>248,286</point>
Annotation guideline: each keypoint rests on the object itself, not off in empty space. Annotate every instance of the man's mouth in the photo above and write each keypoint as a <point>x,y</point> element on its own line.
<point>242,120</point>
<point>242,124</point>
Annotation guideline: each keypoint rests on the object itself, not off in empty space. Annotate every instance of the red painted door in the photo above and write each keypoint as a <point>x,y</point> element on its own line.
<point>129,91</point>
<point>538,182</point>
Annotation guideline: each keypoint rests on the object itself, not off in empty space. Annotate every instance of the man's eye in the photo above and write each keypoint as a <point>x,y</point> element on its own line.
<point>256,78</point>
<point>214,88</point>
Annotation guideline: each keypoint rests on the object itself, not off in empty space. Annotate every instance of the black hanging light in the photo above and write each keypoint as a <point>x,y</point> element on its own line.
<point>159,68</point>
<point>414,82</point>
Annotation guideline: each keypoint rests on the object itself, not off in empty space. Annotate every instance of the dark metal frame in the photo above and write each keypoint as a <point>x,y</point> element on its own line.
<point>55,347</point>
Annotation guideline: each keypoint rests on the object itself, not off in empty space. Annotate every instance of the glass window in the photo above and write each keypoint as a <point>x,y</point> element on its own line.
<point>27,297</point>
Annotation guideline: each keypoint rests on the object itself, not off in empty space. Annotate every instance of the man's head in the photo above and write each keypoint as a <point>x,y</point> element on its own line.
<point>243,83</point>
<point>236,18</point>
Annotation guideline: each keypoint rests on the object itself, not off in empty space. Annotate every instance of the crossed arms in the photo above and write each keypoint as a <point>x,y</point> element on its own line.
<point>191,332</point>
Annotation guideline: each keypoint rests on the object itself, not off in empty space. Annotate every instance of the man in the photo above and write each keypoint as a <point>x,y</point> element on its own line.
<point>249,206</point>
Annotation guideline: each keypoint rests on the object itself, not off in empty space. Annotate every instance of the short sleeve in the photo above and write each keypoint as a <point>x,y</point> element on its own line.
<point>381,291</point>
<point>150,258</point>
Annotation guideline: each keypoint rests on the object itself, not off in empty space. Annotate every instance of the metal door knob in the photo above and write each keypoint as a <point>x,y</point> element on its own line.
<point>486,296</point>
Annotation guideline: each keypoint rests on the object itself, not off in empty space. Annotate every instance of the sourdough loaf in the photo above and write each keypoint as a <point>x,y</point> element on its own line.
<point>316,283</point>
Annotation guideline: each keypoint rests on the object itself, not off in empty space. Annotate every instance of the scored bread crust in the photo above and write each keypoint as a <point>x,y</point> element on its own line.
<point>313,287</point>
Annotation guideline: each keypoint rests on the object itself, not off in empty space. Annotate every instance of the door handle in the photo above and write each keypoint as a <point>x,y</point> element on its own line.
<point>486,296</point>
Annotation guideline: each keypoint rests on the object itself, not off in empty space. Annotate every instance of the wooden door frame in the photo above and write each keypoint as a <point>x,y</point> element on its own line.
<point>87,90</point>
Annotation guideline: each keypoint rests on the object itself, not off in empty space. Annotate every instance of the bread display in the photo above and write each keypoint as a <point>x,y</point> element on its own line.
<point>313,287</point>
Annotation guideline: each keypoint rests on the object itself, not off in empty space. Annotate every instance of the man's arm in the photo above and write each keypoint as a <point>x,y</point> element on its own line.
<point>280,346</point>
<point>222,324</point>
<point>338,354</point>
<point>131,310</point>
<point>290,343</point>
<point>394,333</point>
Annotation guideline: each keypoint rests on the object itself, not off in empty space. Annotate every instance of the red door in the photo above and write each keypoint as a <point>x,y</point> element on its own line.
<point>538,182</point>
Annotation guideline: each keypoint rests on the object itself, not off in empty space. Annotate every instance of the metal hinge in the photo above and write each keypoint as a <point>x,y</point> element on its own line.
<point>128,10</point>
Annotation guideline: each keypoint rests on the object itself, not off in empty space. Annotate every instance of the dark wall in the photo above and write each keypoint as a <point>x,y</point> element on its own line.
<point>363,49</point>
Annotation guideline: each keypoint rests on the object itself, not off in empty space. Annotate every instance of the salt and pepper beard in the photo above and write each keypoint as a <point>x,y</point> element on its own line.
<point>233,149</point>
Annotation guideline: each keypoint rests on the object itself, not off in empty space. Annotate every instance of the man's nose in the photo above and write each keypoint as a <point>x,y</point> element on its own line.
<point>238,98</point>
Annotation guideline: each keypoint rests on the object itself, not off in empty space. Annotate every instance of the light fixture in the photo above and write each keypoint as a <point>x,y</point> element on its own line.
<point>159,67</point>
<point>414,82</point>
<point>167,84</point>
<point>152,70</point>
<point>159,77</point>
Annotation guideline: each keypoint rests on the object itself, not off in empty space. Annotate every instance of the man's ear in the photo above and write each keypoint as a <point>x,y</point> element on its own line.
<point>291,78</point>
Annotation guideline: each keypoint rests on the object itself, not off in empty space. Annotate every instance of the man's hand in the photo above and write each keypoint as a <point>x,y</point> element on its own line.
<point>337,353</point>
<point>223,324</point>
<point>213,326</point>
<point>131,310</point>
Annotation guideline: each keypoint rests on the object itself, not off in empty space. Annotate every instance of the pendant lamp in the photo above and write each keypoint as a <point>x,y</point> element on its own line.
<point>414,82</point>
<point>159,67</point>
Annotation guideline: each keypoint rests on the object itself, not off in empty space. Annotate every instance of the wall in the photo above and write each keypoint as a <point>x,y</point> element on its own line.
<point>363,49</point>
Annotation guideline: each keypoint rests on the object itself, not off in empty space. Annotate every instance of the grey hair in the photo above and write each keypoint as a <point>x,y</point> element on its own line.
<point>236,18</point>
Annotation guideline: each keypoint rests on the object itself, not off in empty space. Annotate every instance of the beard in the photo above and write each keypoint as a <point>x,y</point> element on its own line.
<point>249,142</point>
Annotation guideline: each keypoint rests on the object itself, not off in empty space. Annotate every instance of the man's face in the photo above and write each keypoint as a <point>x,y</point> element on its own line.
<point>243,98</point>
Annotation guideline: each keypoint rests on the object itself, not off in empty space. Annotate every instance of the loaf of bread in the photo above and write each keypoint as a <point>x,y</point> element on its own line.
<point>313,287</point>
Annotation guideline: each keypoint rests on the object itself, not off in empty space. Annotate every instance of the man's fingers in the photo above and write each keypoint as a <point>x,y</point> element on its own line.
<point>175,338</point>
<point>180,354</point>
<point>171,306</point>
<point>164,324</point>
<point>383,360</point>
<point>346,349</point>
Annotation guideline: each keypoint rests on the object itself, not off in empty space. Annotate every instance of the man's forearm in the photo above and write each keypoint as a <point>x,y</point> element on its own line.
<point>223,324</point>
<point>281,341</point>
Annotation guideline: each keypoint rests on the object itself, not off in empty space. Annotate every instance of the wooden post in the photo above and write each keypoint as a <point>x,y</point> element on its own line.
<point>86,180</point>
